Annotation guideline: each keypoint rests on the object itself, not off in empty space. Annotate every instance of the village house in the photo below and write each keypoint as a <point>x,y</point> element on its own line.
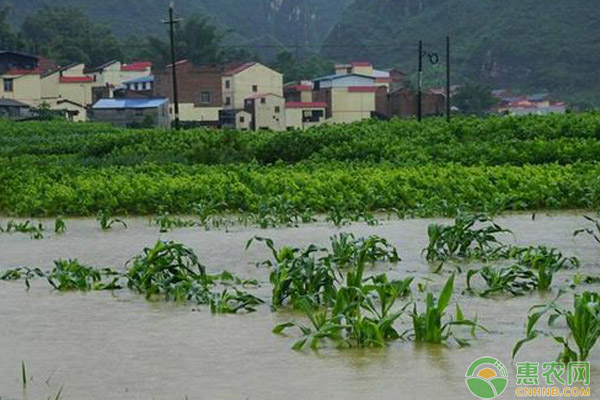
<point>199,89</point>
<point>535,104</point>
<point>68,89</point>
<point>349,97</point>
<point>111,76</point>
<point>126,112</point>
<point>245,81</point>
<point>267,111</point>
<point>20,76</point>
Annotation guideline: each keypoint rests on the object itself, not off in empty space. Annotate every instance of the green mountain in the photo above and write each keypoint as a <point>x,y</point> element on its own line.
<point>522,44</point>
<point>288,21</point>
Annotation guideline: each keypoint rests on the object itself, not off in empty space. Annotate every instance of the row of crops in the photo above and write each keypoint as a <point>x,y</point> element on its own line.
<point>348,305</point>
<point>402,167</point>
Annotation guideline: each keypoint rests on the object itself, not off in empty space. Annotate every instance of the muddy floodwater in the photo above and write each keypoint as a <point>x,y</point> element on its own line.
<point>117,345</point>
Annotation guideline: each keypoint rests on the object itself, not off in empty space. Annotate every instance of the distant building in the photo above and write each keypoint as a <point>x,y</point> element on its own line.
<point>349,97</point>
<point>14,110</point>
<point>302,115</point>
<point>20,76</point>
<point>535,104</point>
<point>110,77</point>
<point>267,111</point>
<point>68,88</point>
<point>199,88</point>
<point>244,80</point>
<point>133,112</point>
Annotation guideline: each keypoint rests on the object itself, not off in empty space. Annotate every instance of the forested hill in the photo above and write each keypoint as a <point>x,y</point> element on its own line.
<point>533,44</point>
<point>287,21</point>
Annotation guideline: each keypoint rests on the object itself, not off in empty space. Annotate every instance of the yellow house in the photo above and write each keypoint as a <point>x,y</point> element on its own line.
<point>267,110</point>
<point>22,85</point>
<point>349,97</point>
<point>302,115</point>
<point>68,89</point>
<point>245,80</point>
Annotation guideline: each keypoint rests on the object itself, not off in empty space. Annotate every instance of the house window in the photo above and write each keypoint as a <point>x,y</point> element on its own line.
<point>8,85</point>
<point>205,97</point>
<point>242,119</point>
<point>255,88</point>
<point>263,101</point>
<point>227,84</point>
<point>277,109</point>
<point>227,101</point>
<point>136,86</point>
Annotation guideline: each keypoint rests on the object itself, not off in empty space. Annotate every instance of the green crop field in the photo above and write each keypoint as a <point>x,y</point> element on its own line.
<point>402,167</point>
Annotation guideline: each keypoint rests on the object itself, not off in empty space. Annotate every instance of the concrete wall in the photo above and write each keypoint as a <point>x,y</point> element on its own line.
<point>252,80</point>
<point>192,81</point>
<point>26,89</point>
<point>294,117</point>
<point>344,106</point>
<point>268,113</point>
<point>191,112</point>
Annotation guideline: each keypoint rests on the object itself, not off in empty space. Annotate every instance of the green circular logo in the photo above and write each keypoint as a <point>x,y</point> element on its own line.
<point>486,378</point>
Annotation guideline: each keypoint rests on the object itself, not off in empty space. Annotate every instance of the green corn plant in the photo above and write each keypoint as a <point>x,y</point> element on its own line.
<point>583,326</point>
<point>463,239</point>
<point>23,374</point>
<point>338,216</point>
<point>207,210</point>
<point>167,222</point>
<point>106,220</point>
<point>534,256</point>
<point>297,274</point>
<point>515,279</point>
<point>172,272</point>
<point>35,231</point>
<point>168,270</point>
<point>345,249</point>
<point>60,226</point>
<point>323,326</point>
<point>594,232</point>
<point>431,327</point>
<point>230,303</point>
<point>25,273</point>
<point>70,275</point>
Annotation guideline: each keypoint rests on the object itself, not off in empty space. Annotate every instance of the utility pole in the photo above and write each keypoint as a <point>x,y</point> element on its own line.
<point>172,22</point>
<point>448,105</point>
<point>420,83</point>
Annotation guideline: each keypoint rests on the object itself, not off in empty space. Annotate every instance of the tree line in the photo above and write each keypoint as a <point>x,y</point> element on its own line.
<point>67,35</point>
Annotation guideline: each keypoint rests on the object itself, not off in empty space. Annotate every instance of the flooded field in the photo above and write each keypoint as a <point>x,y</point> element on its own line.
<point>117,345</point>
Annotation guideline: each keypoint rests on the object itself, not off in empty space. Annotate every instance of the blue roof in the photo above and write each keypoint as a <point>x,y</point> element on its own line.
<point>107,104</point>
<point>143,79</point>
<point>335,76</point>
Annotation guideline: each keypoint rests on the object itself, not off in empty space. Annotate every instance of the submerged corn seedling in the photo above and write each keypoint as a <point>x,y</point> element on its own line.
<point>363,314</point>
<point>168,270</point>
<point>25,273</point>
<point>60,226</point>
<point>72,275</point>
<point>226,302</point>
<point>465,239</point>
<point>583,326</point>
<point>345,249</point>
<point>430,326</point>
<point>299,275</point>
<point>35,231</point>
<point>594,232</point>
<point>106,220</point>
<point>515,280</point>
<point>171,271</point>
<point>167,222</point>
<point>338,216</point>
